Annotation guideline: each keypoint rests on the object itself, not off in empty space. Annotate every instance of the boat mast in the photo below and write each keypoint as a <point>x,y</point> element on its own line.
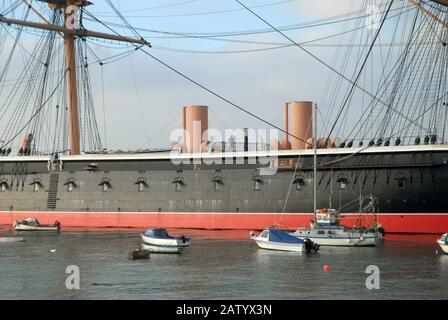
<point>331,189</point>
<point>70,34</point>
<point>315,159</point>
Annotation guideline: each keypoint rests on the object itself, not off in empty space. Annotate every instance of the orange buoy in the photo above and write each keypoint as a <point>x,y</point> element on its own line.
<point>326,267</point>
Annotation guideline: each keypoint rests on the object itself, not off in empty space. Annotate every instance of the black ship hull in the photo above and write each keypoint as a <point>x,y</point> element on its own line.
<point>154,190</point>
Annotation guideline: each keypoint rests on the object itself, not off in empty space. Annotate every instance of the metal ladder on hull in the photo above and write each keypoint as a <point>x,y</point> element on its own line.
<point>53,191</point>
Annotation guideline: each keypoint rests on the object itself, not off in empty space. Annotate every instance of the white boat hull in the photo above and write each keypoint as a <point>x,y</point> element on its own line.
<point>443,246</point>
<point>345,242</point>
<point>279,246</point>
<point>338,237</point>
<point>160,245</point>
<point>162,249</point>
<point>24,227</point>
<point>175,242</point>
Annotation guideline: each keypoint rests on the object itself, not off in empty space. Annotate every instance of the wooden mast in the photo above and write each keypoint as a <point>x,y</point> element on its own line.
<point>70,35</point>
<point>72,88</point>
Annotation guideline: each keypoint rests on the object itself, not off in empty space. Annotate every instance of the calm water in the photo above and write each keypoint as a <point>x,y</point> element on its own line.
<point>219,265</point>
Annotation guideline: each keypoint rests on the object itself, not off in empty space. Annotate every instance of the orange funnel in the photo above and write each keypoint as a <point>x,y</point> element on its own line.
<point>301,123</point>
<point>196,120</point>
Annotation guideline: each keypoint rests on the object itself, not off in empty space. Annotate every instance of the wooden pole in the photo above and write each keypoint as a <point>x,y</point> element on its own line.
<point>75,32</point>
<point>72,93</point>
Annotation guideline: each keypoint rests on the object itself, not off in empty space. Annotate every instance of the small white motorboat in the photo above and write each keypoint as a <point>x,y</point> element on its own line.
<point>32,224</point>
<point>158,240</point>
<point>279,240</point>
<point>11,239</point>
<point>443,243</point>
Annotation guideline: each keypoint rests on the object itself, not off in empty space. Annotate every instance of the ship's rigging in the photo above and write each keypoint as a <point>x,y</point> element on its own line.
<point>75,68</point>
<point>403,100</point>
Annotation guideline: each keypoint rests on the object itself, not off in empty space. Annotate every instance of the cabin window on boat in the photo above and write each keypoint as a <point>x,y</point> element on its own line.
<point>264,234</point>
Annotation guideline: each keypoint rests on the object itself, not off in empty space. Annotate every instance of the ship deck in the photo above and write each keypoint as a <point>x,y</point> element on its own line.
<point>176,155</point>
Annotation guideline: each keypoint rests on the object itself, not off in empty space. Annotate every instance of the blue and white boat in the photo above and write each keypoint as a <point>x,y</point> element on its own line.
<point>326,231</point>
<point>282,241</point>
<point>158,240</point>
<point>443,243</point>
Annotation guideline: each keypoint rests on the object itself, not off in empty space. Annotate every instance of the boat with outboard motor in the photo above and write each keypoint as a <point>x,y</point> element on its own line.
<point>32,224</point>
<point>272,239</point>
<point>158,240</point>
<point>327,231</point>
<point>443,243</point>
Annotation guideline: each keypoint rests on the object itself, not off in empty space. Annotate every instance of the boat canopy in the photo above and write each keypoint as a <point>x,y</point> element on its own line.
<point>283,236</point>
<point>445,238</point>
<point>158,233</point>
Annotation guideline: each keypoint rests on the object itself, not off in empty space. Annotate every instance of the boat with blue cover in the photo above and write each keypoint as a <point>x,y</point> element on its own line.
<point>159,241</point>
<point>443,243</point>
<point>280,240</point>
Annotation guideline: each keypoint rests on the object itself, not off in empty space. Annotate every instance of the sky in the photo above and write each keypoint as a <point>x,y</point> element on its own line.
<point>261,82</point>
<point>143,99</point>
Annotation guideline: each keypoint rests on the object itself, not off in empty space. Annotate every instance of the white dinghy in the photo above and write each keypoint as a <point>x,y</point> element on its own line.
<point>32,224</point>
<point>443,243</point>
<point>158,240</point>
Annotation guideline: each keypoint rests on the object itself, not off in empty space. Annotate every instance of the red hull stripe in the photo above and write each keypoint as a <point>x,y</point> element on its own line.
<point>393,223</point>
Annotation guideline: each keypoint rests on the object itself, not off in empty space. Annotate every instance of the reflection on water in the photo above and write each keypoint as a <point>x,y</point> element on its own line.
<point>443,261</point>
<point>219,265</point>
